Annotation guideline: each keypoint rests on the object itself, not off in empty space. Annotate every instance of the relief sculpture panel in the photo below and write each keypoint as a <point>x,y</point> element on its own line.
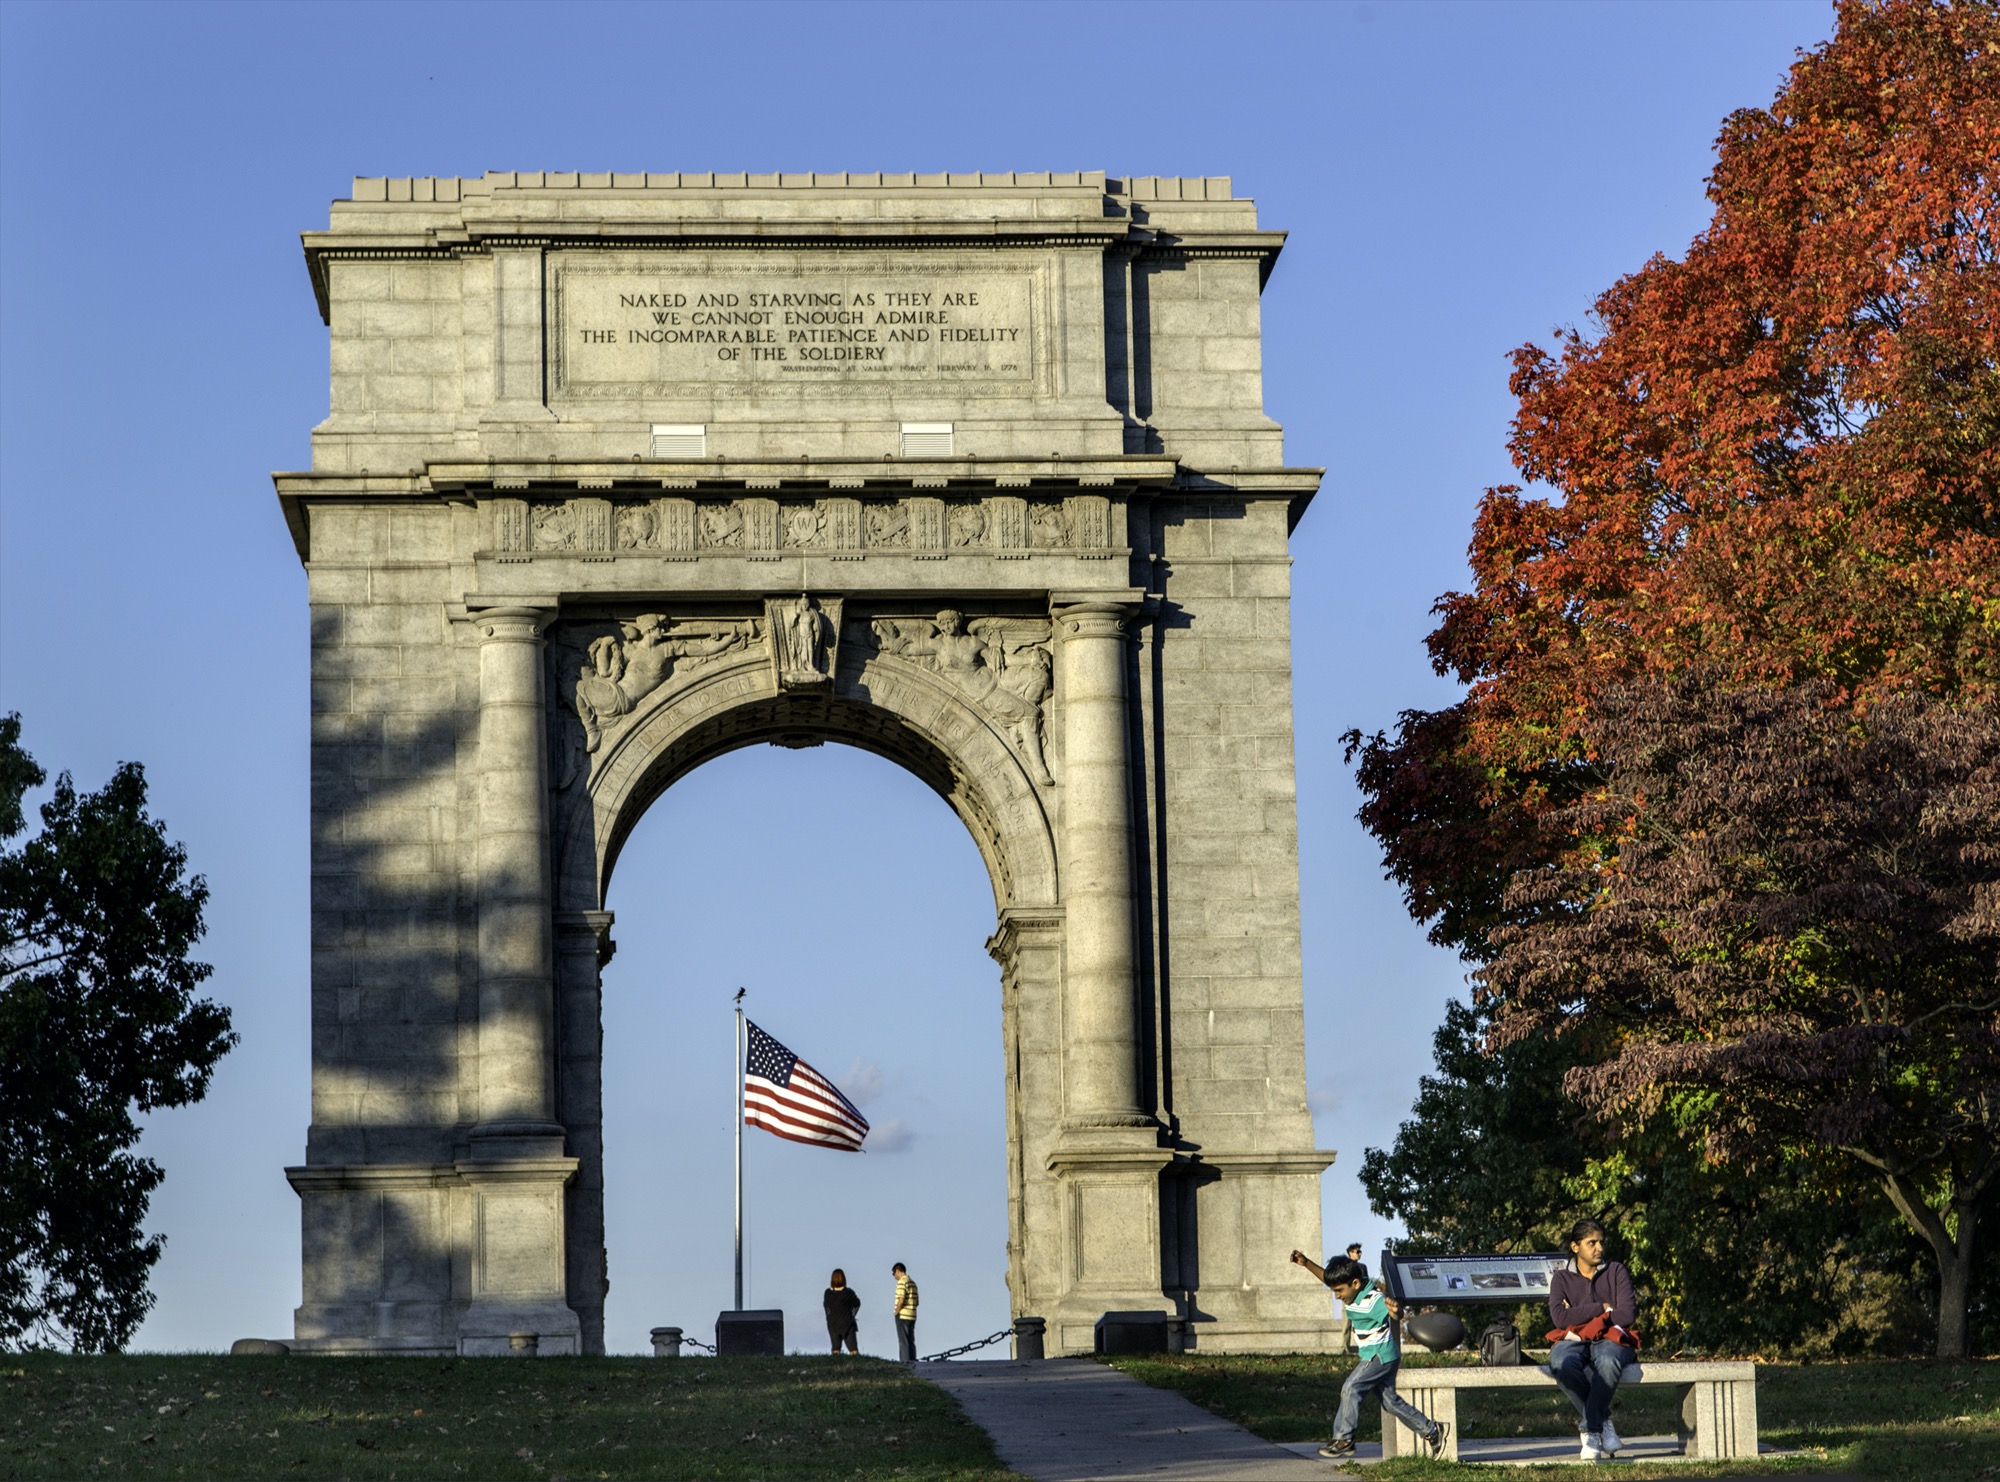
<point>1002,663</point>
<point>601,676</point>
<point>1001,524</point>
<point>805,633</point>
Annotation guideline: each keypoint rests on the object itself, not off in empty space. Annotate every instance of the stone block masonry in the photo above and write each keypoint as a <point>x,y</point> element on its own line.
<point>622,471</point>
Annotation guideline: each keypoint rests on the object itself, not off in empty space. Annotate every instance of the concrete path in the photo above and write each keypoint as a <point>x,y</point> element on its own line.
<point>1072,1420</point>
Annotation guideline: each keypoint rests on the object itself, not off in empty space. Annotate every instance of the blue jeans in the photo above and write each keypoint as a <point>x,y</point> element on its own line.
<point>1371,1376</point>
<point>1588,1372</point>
<point>906,1339</point>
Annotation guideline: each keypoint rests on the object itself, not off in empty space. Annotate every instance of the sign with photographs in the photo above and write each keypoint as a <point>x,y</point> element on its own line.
<point>1511,1278</point>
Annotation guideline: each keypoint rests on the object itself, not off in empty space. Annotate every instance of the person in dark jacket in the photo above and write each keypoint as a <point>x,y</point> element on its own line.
<point>841,1303</point>
<point>1592,1309</point>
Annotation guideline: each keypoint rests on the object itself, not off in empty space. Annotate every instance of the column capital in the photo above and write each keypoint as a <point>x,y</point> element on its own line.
<point>588,927</point>
<point>1093,614</point>
<point>511,622</point>
<point>1019,922</point>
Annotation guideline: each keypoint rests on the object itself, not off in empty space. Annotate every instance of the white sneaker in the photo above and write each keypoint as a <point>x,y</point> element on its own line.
<point>1593,1448</point>
<point>1608,1439</point>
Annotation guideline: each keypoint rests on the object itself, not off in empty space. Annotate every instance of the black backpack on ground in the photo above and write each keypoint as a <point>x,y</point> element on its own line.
<point>1500,1346</point>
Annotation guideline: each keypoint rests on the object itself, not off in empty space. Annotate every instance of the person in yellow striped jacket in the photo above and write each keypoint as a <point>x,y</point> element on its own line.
<point>906,1314</point>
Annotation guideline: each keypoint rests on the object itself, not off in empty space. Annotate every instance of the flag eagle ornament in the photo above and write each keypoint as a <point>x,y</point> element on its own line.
<point>784,1095</point>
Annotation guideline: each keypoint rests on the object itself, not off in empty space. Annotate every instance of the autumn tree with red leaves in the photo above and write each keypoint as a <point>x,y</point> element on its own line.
<point>1775,459</point>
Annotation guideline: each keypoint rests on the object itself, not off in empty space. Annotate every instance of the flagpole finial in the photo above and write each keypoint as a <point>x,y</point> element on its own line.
<point>739,994</point>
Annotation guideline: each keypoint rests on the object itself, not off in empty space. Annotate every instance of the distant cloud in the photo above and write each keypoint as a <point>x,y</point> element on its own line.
<point>863,1082</point>
<point>892,1136</point>
<point>1323,1099</point>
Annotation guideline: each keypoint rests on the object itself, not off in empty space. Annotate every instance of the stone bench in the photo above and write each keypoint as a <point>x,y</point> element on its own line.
<point>1718,1403</point>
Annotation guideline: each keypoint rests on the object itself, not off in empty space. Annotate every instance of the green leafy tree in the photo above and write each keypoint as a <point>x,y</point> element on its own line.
<point>98,1021</point>
<point>1483,1162</point>
<point>1788,932</point>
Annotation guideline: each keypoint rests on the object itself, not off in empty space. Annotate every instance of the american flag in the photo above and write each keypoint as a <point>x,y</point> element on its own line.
<point>783,1094</point>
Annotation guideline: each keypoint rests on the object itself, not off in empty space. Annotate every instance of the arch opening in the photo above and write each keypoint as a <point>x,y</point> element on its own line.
<point>796,722</point>
<point>826,883</point>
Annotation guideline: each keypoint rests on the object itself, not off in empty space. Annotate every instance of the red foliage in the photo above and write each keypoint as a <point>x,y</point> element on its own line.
<point>1783,451</point>
<point>1779,454</point>
<point>1775,466</point>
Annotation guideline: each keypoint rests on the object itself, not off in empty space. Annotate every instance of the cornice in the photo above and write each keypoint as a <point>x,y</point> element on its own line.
<point>1131,476</point>
<point>478,237</point>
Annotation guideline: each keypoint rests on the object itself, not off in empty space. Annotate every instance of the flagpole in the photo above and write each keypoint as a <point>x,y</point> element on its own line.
<point>736,1064</point>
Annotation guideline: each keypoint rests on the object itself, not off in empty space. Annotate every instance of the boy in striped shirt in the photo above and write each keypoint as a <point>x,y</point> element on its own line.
<point>1374,1318</point>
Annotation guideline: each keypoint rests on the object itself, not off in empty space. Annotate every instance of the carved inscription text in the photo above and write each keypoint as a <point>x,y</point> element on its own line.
<point>622,327</point>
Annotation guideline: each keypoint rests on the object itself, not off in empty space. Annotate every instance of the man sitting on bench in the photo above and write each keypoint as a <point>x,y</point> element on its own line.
<point>1591,1311</point>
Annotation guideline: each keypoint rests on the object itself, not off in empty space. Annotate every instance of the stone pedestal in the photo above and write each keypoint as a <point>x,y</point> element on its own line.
<point>518,1277</point>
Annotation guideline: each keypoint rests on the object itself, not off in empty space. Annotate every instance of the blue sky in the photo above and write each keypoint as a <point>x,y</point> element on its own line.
<point>1457,178</point>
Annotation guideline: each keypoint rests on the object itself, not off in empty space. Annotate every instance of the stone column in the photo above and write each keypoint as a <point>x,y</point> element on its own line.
<point>516,968</point>
<point>1106,1158</point>
<point>517,1172</point>
<point>1101,1040</point>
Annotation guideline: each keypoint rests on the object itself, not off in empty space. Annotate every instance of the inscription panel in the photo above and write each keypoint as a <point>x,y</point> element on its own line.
<point>624,325</point>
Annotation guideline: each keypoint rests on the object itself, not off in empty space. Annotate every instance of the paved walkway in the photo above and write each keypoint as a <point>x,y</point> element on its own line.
<point>1072,1420</point>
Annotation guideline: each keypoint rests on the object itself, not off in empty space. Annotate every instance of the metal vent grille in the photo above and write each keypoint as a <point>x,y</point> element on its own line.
<point>680,440</point>
<point>927,440</point>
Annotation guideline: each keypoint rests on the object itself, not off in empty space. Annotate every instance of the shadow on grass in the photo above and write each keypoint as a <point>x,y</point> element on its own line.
<point>186,1416</point>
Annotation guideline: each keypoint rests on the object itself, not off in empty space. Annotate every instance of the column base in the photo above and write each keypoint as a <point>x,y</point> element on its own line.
<point>487,1328</point>
<point>1109,1178</point>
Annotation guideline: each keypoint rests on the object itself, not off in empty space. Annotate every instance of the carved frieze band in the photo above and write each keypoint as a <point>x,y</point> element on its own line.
<point>1001,524</point>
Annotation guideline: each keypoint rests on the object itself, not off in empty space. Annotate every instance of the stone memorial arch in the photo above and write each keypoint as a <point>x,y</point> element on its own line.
<point>625,471</point>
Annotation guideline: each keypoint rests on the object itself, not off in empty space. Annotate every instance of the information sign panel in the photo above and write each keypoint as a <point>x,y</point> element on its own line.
<point>1521,1277</point>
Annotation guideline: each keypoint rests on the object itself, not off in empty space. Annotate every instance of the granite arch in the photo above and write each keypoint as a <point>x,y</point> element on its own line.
<point>1046,570</point>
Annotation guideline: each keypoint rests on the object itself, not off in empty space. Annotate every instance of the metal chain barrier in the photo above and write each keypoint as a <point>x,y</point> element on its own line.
<point>951,1353</point>
<point>933,1358</point>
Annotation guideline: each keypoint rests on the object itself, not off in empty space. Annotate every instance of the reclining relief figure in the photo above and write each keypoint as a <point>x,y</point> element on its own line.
<point>1010,680</point>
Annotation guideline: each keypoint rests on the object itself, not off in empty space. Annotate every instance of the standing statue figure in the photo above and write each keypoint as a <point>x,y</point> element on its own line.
<point>807,649</point>
<point>801,643</point>
<point>978,664</point>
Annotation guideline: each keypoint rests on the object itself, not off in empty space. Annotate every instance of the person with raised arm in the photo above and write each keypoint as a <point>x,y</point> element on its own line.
<point>1373,1315</point>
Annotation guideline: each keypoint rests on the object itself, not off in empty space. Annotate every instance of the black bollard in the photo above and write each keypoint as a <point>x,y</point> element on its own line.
<point>1028,1333</point>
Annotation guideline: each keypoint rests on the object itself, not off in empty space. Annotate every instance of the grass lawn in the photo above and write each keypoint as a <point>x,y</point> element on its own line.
<point>1910,1419</point>
<point>193,1416</point>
